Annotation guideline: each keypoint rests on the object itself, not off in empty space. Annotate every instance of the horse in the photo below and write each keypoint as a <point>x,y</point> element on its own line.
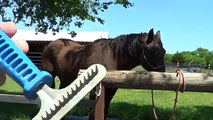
<point>52,52</point>
<point>120,53</point>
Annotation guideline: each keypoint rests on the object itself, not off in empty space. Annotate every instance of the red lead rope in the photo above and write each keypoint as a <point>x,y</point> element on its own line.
<point>181,88</point>
<point>182,82</point>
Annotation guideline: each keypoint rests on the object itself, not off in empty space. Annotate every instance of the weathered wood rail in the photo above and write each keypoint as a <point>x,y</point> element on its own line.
<point>195,82</point>
<point>12,98</point>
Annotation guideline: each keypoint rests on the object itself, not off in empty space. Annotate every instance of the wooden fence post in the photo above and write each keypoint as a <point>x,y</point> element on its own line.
<point>100,105</point>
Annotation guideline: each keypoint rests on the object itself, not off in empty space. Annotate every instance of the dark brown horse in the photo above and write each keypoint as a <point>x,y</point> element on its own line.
<point>64,58</point>
<point>51,55</point>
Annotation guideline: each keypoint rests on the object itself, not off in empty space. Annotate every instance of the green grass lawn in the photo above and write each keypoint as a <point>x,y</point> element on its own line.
<point>11,87</point>
<point>136,105</point>
<point>128,104</point>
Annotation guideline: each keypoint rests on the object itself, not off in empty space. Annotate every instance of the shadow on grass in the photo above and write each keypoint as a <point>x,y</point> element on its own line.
<point>126,111</point>
<point>195,113</point>
<point>15,111</point>
<point>121,110</point>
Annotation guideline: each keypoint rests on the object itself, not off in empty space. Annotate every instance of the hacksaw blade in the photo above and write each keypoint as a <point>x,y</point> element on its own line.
<point>61,101</point>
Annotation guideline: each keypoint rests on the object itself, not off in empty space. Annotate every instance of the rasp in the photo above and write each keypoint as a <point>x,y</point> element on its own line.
<point>35,83</point>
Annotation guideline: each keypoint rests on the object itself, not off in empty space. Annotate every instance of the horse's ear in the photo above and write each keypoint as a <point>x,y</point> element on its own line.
<point>150,36</point>
<point>158,36</point>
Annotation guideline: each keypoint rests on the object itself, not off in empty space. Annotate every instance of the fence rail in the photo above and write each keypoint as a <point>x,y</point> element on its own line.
<point>11,98</point>
<point>196,82</point>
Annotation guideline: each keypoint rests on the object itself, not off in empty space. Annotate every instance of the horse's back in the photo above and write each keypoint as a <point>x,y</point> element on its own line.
<point>52,51</point>
<point>97,53</point>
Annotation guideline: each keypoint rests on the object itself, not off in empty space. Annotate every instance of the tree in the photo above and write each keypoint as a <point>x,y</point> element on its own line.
<point>188,56</point>
<point>178,57</point>
<point>201,52</point>
<point>55,14</point>
<point>204,55</point>
<point>209,58</point>
<point>199,57</point>
<point>168,58</point>
<point>191,58</point>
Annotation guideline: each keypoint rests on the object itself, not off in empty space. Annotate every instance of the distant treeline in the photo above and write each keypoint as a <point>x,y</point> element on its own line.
<point>201,57</point>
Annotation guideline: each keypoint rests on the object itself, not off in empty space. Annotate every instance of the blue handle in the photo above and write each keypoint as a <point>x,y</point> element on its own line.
<point>20,68</point>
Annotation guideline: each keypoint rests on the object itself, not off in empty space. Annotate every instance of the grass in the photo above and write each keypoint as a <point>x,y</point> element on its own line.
<point>11,87</point>
<point>127,104</point>
<point>14,111</point>
<point>136,105</point>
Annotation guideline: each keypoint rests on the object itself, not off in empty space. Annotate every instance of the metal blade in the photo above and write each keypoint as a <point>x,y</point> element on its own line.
<point>56,103</point>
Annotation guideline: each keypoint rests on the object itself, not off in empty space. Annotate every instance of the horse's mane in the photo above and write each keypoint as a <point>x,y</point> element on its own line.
<point>123,45</point>
<point>66,41</point>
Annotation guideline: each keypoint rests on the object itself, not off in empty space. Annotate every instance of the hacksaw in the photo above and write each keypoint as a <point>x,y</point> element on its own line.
<point>35,83</point>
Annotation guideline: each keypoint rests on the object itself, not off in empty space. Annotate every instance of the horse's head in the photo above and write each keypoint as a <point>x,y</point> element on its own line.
<point>152,58</point>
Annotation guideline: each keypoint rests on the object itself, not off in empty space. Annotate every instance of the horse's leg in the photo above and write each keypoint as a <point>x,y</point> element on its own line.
<point>109,93</point>
<point>53,82</point>
<point>64,83</point>
<point>92,95</point>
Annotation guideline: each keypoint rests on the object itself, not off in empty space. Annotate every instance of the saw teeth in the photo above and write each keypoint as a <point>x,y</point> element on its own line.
<point>88,75</point>
<point>66,95</point>
<point>75,91</point>
<point>96,68</point>
<point>70,94</point>
<point>62,102</point>
<point>53,112</point>
<point>85,78</point>
<point>82,82</point>
<point>43,118</point>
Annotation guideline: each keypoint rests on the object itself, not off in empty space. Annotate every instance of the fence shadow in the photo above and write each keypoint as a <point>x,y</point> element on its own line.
<point>126,111</point>
<point>17,111</point>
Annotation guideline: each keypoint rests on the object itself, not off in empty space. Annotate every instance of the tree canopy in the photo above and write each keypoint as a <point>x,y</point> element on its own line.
<point>200,56</point>
<point>55,14</point>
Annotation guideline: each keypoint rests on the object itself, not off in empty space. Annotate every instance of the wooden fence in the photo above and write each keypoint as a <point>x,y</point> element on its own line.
<point>196,82</point>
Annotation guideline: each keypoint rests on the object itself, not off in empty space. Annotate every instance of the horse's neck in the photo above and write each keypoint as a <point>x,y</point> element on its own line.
<point>128,58</point>
<point>127,64</point>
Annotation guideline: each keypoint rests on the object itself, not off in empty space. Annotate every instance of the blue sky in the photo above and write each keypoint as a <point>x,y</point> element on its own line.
<point>185,25</point>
